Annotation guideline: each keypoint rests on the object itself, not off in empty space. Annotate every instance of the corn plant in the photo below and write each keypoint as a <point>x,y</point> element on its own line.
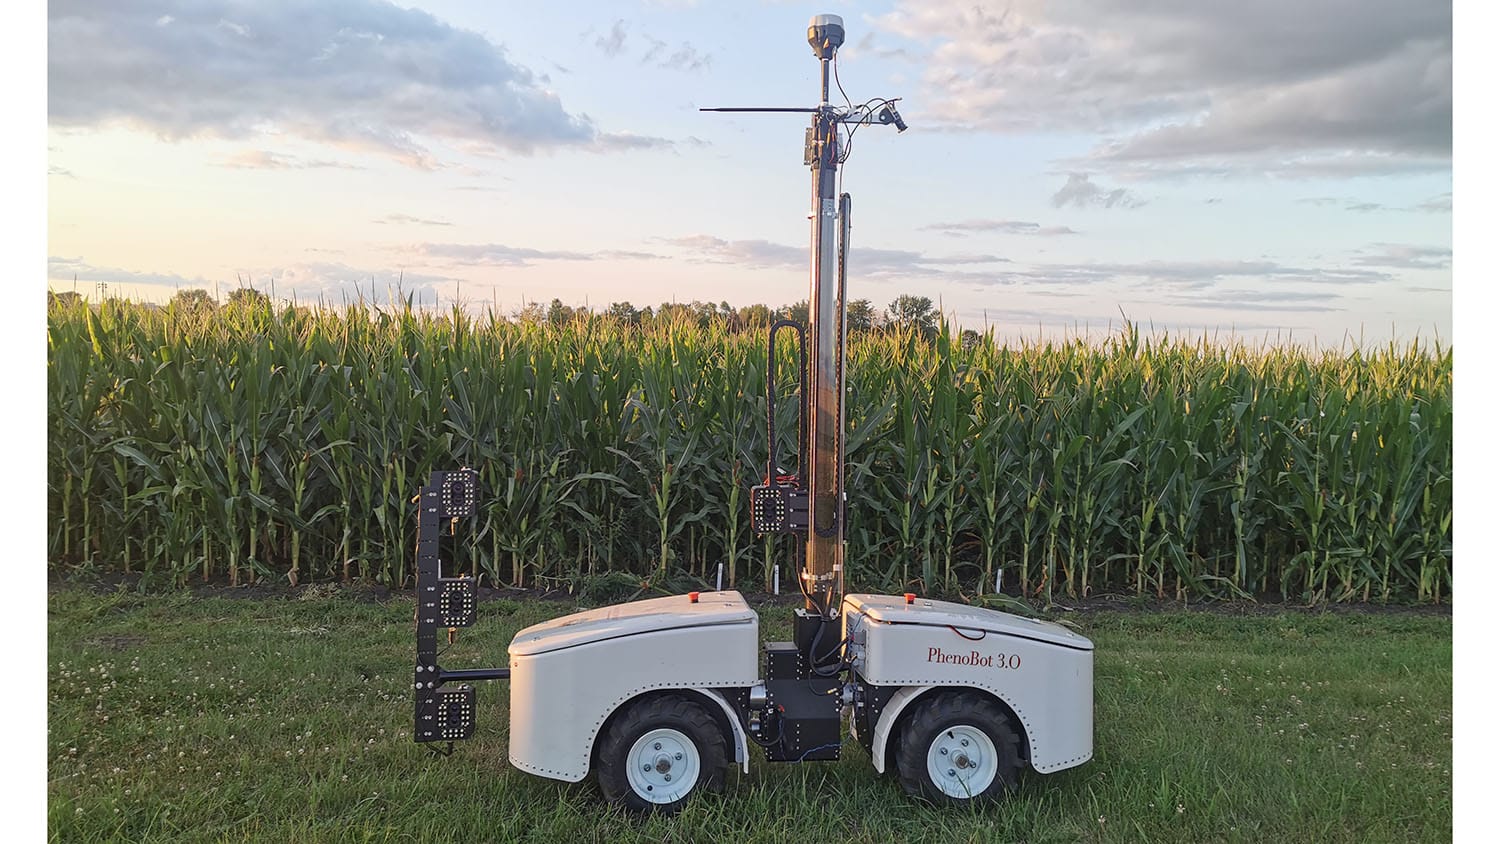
<point>247,441</point>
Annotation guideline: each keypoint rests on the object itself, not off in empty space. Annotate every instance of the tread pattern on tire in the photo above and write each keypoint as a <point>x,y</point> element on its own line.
<point>938,712</point>
<point>676,712</point>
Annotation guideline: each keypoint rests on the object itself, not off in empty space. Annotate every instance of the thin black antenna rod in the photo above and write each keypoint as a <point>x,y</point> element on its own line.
<point>782,110</point>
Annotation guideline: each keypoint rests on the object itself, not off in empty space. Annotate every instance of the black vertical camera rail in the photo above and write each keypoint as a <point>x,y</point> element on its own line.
<point>444,712</point>
<point>779,503</point>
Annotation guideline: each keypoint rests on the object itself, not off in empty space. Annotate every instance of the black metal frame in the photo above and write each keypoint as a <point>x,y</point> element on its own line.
<point>441,712</point>
<point>780,503</point>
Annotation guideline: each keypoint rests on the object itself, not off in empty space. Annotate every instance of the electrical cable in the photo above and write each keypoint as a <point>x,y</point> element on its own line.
<point>843,664</point>
<point>961,633</point>
<point>760,738</point>
<point>836,81</point>
<point>816,749</point>
<point>849,139</point>
<point>812,647</point>
<point>865,106</point>
<point>813,658</point>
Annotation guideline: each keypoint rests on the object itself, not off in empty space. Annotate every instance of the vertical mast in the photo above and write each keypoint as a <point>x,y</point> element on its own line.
<point>825,536</point>
<point>813,499</point>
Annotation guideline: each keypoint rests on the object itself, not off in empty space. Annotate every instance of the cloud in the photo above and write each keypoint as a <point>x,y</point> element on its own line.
<point>64,269</point>
<point>1355,205</point>
<point>338,284</point>
<point>1080,192</point>
<point>500,255</point>
<point>1340,87</point>
<point>1280,284</point>
<point>494,254</point>
<point>1072,319</point>
<point>1440,204</point>
<point>406,219</point>
<point>867,43</point>
<point>1402,257</point>
<point>1260,300</point>
<point>1192,274</point>
<point>1076,323</point>
<point>968,227</point>
<point>901,263</point>
<point>870,263</point>
<point>365,75</point>
<point>628,255</point>
<point>658,47</point>
<point>684,58</point>
<point>265,160</point>
<point>620,141</point>
<point>755,254</point>
<point>306,282</point>
<point>613,43</point>
<point>1344,165</point>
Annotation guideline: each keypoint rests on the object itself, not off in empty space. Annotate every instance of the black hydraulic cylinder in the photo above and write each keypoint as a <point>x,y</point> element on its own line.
<point>823,400</point>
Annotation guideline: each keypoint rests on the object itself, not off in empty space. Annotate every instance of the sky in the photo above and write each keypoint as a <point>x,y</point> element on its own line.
<point>1271,171</point>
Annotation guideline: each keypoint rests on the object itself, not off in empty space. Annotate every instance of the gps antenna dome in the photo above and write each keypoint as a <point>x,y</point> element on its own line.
<point>825,33</point>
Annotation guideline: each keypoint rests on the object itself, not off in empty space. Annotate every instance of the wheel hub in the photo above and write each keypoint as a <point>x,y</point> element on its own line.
<point>663,766</point>
<point>962,761</point>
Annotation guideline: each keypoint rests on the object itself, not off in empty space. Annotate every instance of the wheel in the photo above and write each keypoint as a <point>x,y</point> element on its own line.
<point>958,749</point>
<point>660,752</point>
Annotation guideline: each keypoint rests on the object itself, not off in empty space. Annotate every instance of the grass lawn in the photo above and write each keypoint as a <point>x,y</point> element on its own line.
<point>288,719</point>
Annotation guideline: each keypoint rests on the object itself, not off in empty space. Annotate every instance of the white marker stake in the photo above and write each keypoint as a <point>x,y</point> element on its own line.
<point>776,579</point>
<point>719,587</point>
<point>997,581</point>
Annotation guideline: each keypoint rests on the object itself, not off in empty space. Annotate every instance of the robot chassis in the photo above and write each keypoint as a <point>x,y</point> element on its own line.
<point>657,697</point>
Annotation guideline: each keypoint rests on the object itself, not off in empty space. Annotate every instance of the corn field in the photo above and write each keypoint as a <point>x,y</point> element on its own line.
<point>260,443</point>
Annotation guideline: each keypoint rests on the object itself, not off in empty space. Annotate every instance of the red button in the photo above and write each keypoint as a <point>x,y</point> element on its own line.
<point>911,597</point>
<point>692,597</point>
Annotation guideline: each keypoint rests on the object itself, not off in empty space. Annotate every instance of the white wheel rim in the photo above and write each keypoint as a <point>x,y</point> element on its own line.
<point>663,766</point>
<point>962,761</point>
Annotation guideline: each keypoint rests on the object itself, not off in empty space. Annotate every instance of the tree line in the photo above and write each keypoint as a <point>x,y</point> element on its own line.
<point>907,311</point>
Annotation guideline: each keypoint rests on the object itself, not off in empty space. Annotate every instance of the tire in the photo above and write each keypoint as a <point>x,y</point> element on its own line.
<point>659,753</point>
<point>958,749</point>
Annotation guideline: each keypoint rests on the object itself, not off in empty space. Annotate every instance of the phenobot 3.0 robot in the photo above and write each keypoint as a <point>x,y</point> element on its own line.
<point>658,696</point>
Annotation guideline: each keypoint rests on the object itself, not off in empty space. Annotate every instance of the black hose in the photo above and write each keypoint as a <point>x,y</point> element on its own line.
<point>772,470</point>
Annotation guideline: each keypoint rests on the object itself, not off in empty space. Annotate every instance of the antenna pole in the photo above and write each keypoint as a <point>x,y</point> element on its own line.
<point>812,501</point>
<point>825,535</point>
